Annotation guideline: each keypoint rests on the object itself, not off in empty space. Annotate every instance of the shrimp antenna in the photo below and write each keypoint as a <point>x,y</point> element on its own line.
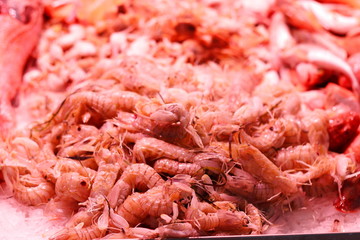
<point>161,97</point>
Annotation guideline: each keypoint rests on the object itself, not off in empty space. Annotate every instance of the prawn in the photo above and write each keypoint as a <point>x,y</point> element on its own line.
<point>105,178</point>
<point>257,164</point>
<point>270,137</point>
<point>220,220</point>
<point>296,157</point>
<point>27,189</point>
<point>137,175</point>
<point>152,148</point>
<point>73,186</point>
<point>170,122</point>
<point>173,167</point>
<point>65,165</point>
<point>243,184</point>
<point>154,202</point>
<point>104,106</point>
<point>255,217</point>
<point>79,233</point>
<point>316,126</point>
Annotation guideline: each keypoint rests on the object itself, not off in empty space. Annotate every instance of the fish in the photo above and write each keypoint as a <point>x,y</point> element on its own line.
<point>20,28</point>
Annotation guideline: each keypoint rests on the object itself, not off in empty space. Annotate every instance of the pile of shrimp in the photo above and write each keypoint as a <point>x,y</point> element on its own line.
<point>186,118</point>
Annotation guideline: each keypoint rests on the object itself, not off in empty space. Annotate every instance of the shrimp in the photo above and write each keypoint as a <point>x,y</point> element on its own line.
<point>52,170</point>
<point>172,167</point>
<point>137,175</point>
<point>316,125</point>
<point>270,137</point>
<point>255,217</point>
<point>73,186</point>
<point>221,220</point>
<point>103,106</point>
<point>296,157</point>
<point>79,233</point>
<point>320,186</point>
<point>257,164</point>
<point>105,178</point>
<point>154,202</point>
<point>171,122</point>
<point>152,148</point>
<point>27,189</point>
<point>175,230</point>
<point>243,184</point>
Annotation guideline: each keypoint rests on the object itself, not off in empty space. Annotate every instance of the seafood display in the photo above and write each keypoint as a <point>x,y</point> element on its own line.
<point>159,119</point>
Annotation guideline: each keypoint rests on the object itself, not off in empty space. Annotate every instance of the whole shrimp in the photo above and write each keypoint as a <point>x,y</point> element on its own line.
<point>104,180</point>
<point>242,183</point>
<point>72,186</point>
<point>86,224</point>
<point>147,149</point>
<point>220,220</point>
<point>172,167</point>
<point>28,189</point>
<point>170,122</point>
<point>154,202</point>
<point>315,124</point>
<point>21,23</point>
<point>52,170</point>
<point>257,164</point>
<point>101,106</point>
<point>268,136</point>
<point>300,156</point>
<point>137,175</point>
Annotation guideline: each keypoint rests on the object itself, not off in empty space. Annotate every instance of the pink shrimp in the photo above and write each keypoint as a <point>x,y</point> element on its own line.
<point>152,148</point>
<point>137,175</point>
<point>170,122</point>
<point>220,220</point>
<point>81,233</point>
<point>172,167</point>
<point>257,164</point>
<point>104,180</point>
<point>101,106</point>
<point>271,136</point>
<point>64,165</point>
<point>242,183</point>
<point>73,186</point>
<point>27,189</point>
<point>154,202</point>
<point>300,156</point>
<point>21,23</point>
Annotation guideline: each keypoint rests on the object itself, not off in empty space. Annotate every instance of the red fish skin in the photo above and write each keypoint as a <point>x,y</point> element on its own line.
<point>20,29</point>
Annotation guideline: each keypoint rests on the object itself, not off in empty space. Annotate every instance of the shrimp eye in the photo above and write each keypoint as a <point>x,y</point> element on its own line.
<point>83,183</point>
